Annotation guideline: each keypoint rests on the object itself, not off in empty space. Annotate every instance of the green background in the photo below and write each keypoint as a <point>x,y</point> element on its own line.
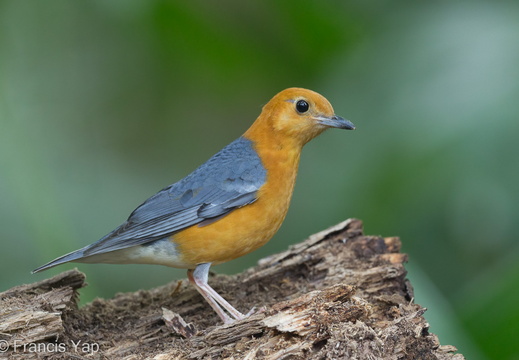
<point>103,103</point>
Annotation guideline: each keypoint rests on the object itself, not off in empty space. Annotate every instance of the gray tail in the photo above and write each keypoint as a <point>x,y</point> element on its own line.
<point>75,255</point>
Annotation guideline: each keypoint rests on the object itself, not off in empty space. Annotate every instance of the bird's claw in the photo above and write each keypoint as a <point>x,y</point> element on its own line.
<point>253,311</point>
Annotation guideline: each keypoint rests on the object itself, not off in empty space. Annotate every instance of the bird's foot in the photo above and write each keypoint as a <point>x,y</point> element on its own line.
<point>236,317</point>
<point>260,310</point>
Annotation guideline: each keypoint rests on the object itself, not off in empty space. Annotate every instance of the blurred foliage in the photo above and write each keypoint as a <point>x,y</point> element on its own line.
<point>102,103</point>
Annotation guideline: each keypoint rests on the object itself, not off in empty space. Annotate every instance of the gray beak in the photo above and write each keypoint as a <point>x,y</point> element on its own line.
<point>335,122</point>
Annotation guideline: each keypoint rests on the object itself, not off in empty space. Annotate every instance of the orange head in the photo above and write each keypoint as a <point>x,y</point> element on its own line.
<point>298,114</point>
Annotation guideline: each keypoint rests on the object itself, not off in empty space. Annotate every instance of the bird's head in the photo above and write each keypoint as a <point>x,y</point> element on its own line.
<point>301,115</point>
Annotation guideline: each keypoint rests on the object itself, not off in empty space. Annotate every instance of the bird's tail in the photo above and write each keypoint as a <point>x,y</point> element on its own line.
<point>75,255</point>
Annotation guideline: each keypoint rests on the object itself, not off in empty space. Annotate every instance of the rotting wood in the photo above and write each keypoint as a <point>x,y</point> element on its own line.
<point>338,294</point>
<point>32,313</point>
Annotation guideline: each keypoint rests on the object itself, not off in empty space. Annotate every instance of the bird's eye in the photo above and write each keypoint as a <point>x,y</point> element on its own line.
<point>302,106</point>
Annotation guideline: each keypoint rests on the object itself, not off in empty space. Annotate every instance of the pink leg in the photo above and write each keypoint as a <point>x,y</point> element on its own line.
<point>225,318</point>
<point>198,277</point>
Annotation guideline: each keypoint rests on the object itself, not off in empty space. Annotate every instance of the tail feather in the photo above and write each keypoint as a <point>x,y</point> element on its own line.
<point>75,255</point>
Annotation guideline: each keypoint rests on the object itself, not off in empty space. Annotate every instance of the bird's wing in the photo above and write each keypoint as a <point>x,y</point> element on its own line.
<point>227,181</point>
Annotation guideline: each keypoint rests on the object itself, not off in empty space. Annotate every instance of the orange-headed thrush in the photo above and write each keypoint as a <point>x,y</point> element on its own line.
<point>231,205</point>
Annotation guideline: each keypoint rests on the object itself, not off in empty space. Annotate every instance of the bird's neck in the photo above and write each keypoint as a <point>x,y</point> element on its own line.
<point>265,135</point>
<point>280,156</point>
<point>275,149</point>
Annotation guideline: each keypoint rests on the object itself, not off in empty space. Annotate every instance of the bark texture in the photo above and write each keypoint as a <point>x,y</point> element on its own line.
<point>337,295</point>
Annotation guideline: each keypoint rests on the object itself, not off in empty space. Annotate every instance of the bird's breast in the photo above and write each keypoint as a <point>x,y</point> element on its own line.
<point>251,226</point>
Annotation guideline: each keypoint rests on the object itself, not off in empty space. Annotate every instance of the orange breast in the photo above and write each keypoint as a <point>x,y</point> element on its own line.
<point>250,227</point>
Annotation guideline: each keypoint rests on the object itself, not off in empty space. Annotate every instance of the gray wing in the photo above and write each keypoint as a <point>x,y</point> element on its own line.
<point>227,181</point>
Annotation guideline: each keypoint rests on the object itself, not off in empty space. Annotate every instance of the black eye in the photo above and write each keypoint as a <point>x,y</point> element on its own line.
<point>302,106</point>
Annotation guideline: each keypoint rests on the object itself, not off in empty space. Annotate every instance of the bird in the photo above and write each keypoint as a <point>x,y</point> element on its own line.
<point>228,207</point>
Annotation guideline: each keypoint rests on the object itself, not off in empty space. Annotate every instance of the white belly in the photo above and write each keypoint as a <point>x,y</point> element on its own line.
<point>160,252</point>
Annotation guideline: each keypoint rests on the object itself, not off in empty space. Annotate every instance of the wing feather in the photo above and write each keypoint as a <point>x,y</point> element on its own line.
<point>227,181</point>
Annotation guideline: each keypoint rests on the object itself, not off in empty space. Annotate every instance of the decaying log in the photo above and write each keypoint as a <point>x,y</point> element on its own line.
<point>32,313</point>
<point>338,294</point>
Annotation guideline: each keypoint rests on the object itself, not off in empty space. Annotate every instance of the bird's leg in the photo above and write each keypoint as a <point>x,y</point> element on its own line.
<point>198,277</point>
<point>225,318</point>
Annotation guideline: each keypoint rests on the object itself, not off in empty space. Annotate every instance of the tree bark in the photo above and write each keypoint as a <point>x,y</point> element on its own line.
<point>338,294</point>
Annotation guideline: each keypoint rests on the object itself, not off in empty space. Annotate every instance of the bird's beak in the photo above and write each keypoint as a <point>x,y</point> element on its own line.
<point>336,122</point>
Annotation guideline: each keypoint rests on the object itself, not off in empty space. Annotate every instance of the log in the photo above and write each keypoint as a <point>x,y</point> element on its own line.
<point>338,294</point>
